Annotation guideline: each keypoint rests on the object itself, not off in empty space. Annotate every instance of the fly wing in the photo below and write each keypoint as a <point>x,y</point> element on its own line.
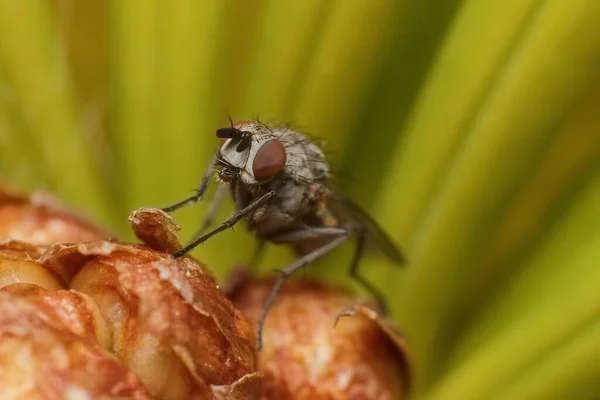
<point>349,212</point>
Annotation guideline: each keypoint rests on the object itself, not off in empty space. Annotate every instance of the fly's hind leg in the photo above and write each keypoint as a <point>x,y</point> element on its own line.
<point>355,273</point>
<point>339,235</point>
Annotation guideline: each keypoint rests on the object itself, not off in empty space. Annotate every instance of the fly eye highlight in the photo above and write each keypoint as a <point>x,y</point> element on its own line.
<point>269,160</point>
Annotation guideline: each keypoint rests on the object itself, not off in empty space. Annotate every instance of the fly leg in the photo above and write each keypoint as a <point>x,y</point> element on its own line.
<point>355,274</point>
<point>308,233</point>
<point>209,218</point>
<point>304,234</point>
<point>228,223</point>
<point>199,192</point>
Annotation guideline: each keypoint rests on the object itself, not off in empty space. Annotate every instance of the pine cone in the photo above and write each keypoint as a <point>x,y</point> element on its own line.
<point>106,319</point>
<point>311,352</point>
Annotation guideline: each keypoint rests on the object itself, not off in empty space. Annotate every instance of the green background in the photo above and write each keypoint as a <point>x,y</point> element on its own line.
<point>470,129</point>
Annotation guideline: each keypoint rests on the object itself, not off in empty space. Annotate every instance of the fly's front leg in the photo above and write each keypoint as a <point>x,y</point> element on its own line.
<point>228,223</point>
<point>199,193</point>
<point>294,236</point>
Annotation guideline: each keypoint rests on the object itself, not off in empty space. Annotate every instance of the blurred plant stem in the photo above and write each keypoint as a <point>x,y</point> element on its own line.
<point>33,61</point>
<point>555,55</point>
<point>537,303</point>
<point>566,165</point>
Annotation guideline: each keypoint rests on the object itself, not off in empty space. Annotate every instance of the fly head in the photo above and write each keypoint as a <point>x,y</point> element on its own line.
<point>257,154</point>
<point>250,153</point>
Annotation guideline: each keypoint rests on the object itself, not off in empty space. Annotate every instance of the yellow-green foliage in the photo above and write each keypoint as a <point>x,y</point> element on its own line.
<point>470,129</point>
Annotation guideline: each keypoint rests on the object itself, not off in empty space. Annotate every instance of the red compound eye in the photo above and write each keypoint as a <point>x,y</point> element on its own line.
<point>269,161</point>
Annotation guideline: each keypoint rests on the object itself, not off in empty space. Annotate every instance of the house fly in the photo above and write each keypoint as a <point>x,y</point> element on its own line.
<point>278,179</point>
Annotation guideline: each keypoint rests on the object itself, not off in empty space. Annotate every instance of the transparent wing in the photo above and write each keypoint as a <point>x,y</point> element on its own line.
<point>347,211</point>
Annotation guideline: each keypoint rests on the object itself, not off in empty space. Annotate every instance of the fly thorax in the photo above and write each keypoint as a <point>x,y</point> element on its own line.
<point>306,161</point>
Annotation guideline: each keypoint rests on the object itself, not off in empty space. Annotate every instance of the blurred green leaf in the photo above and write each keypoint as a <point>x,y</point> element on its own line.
<point>34,63</point>
<point>469,129</point>
<point>554,58</point>
<point>551,300</point>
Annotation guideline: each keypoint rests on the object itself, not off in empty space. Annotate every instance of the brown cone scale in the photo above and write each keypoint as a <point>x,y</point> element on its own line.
<point>39,219</point>
<point>125,320</point>
<point>305,356</point>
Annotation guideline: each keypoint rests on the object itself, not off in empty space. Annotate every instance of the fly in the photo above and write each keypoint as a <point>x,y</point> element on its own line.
<point>278,179</point>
